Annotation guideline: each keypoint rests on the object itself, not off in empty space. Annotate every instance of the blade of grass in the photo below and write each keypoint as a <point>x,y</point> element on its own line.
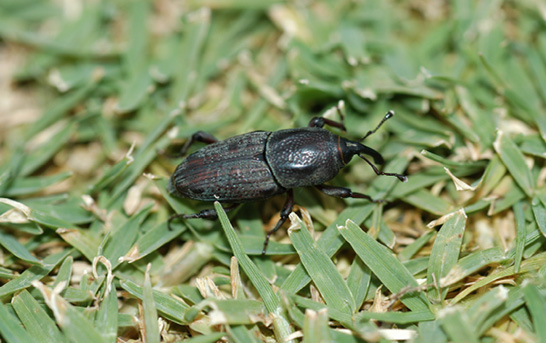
<point>75,325</point>
<point>172,308</point>
<point>539,211</point>
<point>38,323</point>
<point>136,58</point>
<point>358,281</point>
<point>106,320</point>
<point>534,299</point>
<point>149,312</point>
<point>123,238</point>
<point>330,241</point>
<point>271,299</point>
<point>10,327</point>
<point>531,264</point>
<point>521,233</point>
<point>30,185</point>
<point>33,273</point>
<point>320,268</point>
<point>240,334</point>
<point>397,317</point>
<point>315,327</point>
<point>481,309</point>
<point>445,252</point>
<point>385,266</point>
<point>457,325</point>
<point>471,263</point>
<point>17,249</point>
<point>514,161</point>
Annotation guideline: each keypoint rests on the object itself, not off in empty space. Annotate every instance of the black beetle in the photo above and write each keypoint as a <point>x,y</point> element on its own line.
<point>260,164</point>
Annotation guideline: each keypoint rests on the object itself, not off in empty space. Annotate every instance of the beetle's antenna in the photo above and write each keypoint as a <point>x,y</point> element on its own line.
<point>387,116</point>
<point>400,177</point>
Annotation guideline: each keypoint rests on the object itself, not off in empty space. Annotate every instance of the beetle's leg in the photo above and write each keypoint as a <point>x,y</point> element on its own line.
<point>205,214</point>
<point>342,192</point>
<point>320,122</point>
<point>285,212</point>
<point>400,177</point>
<point>199,136</point>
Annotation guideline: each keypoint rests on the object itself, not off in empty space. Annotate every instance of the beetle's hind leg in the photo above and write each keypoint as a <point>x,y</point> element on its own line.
<point>285,212</point>
<point>199,136</point>
<point>342,192</point>
<point>205,214</point>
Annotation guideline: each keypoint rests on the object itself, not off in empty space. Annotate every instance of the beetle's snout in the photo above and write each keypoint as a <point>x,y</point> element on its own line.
<point>350,148</point>
<point>377,158</point>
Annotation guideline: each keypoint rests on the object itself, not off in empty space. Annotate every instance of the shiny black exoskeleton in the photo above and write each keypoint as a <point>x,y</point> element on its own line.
<point>258,165</point>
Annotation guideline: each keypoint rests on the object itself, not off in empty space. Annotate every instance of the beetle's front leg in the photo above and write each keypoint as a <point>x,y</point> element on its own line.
<point>321,121</point>
<point>285,212</point>
<point>199,136</point>
<point>342,192</point>
<point>205,214</point>
<point>400,177</point>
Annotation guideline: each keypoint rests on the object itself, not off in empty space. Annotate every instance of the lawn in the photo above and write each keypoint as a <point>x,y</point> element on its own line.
<point>97,97</point>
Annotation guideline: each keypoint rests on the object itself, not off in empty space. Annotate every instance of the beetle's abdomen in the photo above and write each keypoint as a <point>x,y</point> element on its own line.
<point>303,157</point>
<point>233,170</point>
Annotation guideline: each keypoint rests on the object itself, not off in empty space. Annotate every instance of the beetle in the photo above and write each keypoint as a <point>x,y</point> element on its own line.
<point>260,164</point>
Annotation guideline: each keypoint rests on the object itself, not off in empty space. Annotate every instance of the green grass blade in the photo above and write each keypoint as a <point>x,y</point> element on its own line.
<point>107,316</point>
<point>471,263</point>
<point>330,241</point>
<point>33,273</point>
<point>521,233</point>
<point>38,323</point>
<point>320,268</point>
<point>315,328</point>
<point>121,241</point>
<point>445,252</point>
<point>17,249</point>
<point>10,327</point>
<point>149,313</point>
<point>170,307</point>
<point>529,265</point>
<point>270,298</point>
<point>514,161</point>
<point>539,212</point>
<point>534,299</point>
<point>457,325</point>
<point>75,325</point>
<point>384,265</point>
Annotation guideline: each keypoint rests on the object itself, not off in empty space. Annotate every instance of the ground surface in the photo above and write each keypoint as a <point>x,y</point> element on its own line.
<point>93,92</point>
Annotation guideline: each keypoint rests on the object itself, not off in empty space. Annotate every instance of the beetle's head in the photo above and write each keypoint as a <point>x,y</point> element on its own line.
<point>350,148</point>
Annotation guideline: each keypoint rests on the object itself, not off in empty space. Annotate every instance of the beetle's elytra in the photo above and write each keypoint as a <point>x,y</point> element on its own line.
<point>260,164</point>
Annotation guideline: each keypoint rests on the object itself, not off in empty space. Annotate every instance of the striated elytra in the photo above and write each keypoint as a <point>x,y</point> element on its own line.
<point>260,164</point>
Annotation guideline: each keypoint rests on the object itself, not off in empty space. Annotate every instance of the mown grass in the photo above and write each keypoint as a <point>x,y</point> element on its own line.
<point>93,93</point>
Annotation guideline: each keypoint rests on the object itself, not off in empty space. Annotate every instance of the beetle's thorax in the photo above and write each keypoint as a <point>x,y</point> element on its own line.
<point>304,156</point>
